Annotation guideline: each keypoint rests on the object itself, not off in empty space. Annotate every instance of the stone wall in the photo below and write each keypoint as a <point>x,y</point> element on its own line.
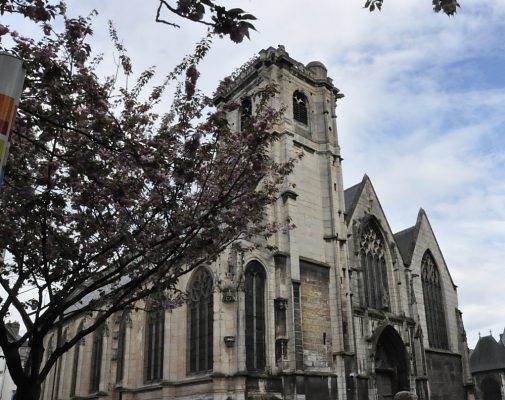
<point>316,323</point>
<point>445,376</point>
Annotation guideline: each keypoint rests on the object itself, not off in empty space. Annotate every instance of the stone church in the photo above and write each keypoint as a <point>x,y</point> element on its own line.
<point>343,308</point>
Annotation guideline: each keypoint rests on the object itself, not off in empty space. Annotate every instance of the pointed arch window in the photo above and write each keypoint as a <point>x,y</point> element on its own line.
<point>121,345</point>
<point>300,113</point>
<point>75,364</point>
<point>200,322</point>
<point>245,112</point>
<point>59,362</point>
<point>255,316</point>
<point>96,359</point>
<point>433,303</point>
<point>155,331</point>
<point>373,267</point>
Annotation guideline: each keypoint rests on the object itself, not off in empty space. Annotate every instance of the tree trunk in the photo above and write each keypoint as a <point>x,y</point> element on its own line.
<point>31,392</point>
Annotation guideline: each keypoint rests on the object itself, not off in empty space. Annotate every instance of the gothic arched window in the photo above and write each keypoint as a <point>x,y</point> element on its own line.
<point>373,266</point>
<point>255,316</point>
<point>155,329</point>
<point>121,345</point>
<point>300,113</point>
<point>96,359</point>
<point>200,322</point>
<point>245,112</point>
<point>75,364</point>
<point>59,362</point>
<point>433,303</point>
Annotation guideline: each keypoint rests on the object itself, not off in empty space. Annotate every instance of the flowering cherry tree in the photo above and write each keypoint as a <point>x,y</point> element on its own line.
<point>105,201</point>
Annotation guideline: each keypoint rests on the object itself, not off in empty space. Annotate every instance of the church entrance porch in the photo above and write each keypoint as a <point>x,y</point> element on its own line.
<point>391,364</point>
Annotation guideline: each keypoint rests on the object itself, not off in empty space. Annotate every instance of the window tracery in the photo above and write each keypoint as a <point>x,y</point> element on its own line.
<point>200,322</point>
<point>96,358</point>
<point>373,267</point>
<point>255,317</point>
<point>75,363</point>
<point>124,322</point>
<point>59,362</point>
<point>433,303</point>
<point>155,331</point>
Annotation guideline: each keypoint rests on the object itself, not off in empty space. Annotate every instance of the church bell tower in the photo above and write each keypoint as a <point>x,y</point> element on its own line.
<point>309,333</point>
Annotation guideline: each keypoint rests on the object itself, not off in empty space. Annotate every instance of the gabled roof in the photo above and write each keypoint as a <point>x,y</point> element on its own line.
<point>351,196</point>
<point>407,238</point>
<point>351,199</point>
<point>488,355</point>
<point>406,241</point>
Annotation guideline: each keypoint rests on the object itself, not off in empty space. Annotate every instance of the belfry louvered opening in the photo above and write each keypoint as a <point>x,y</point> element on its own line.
<point>300,112</point>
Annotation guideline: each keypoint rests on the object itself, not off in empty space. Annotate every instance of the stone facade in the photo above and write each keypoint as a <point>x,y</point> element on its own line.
<point>343,308</point>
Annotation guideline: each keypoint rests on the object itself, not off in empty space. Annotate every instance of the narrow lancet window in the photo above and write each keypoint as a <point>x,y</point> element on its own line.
<point>76,362</point>
<point>245,112</point>
<point>155,330</point>
<point>121,345</point>
<point>433,303</point>
<point>255,317</point>
<point>201,321</point>
<point>96,359</point>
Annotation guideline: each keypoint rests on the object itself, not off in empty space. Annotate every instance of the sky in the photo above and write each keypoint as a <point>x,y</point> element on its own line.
<point>423,113</point>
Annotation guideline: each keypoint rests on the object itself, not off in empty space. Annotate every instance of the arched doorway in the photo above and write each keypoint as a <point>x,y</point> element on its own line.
<point>391,364</point>
<point>490,389</point>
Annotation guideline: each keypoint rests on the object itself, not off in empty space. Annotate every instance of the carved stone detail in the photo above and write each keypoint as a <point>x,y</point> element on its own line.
<point>281,303</point>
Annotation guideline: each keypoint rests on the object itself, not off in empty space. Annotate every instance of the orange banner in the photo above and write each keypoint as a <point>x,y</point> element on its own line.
<point>6,112</point>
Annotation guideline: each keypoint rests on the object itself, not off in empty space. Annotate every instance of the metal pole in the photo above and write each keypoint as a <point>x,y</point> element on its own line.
<point>12,76</point>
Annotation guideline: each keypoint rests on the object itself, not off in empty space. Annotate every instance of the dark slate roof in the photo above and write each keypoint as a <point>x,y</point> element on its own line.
<point>488,355</point>
<point>349,195</point>
<point>406,242</point>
